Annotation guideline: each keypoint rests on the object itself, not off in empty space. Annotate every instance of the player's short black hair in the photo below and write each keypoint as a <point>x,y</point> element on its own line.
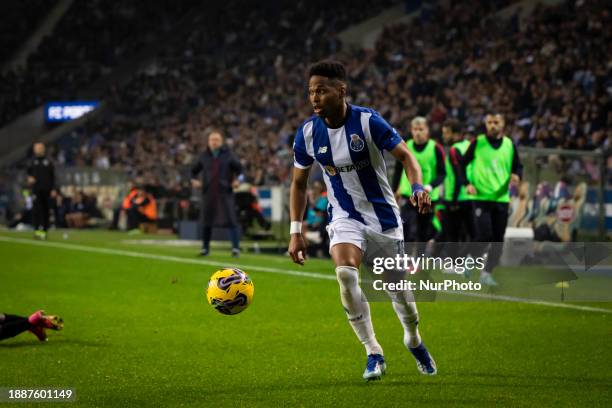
<point>328,68</point>
<point>453,124</point>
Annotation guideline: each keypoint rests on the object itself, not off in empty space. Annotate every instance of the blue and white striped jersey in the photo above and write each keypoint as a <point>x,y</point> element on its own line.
<point>354,170</point>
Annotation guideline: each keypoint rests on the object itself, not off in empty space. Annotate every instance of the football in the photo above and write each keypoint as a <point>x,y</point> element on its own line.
<point>230,291</point>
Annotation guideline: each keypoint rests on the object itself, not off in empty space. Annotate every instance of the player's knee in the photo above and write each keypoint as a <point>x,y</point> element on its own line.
<point>347,276</point>
<point>346,260</point>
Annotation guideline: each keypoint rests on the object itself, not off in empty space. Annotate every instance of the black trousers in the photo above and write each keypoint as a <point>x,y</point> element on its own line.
<point>249,214</point>
<point>489,219</point>
<point>417,227</point>
<point>457,222</point>
<point>135,218</point>
<point>457,231</point>
<point>40,209</point>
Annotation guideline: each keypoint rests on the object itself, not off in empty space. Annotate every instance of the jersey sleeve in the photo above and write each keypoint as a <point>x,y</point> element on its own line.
<point>384,136</point>
<point>301,158</point>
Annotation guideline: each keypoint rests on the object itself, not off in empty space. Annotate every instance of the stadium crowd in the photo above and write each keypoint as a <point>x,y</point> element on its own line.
<point>553,86</point>
<point>549,75</point>
<point>551,80</point>
<point>160,117</point>
<point>88,42</point>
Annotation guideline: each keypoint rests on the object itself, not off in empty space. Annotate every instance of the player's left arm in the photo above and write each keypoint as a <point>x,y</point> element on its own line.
<point>517,167</point>
<point>420,197</point>
<point>397,176</point>
<point>387,138</point>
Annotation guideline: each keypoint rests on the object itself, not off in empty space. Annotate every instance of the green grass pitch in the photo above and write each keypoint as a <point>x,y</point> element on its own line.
<point>138,332</point>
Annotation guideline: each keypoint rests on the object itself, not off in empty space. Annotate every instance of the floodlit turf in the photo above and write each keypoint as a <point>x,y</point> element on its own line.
<point>138,332</point>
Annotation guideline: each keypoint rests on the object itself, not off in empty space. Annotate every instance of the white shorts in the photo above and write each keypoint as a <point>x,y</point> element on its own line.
<point>348,230</point>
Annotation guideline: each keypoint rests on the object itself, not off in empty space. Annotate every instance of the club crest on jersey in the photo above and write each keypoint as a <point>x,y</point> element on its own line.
<point>356,143</point>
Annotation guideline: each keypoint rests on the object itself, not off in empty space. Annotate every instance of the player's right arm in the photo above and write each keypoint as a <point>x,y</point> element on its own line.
<point>297,197</point>
<point>297,206</point>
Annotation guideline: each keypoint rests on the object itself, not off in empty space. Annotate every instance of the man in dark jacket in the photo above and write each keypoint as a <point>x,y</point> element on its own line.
<point>219,168</point>
<point>41,178</point>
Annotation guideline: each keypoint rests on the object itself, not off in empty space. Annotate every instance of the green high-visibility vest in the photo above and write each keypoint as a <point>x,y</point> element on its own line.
<point>427,161</point>
<point>492,169</point>
<point>449,180</point>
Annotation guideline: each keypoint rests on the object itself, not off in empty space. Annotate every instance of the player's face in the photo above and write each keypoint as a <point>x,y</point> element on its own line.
<point>214,141</point>
<point>420,132</point>
<point>494,124</point>
<point>326,95</point>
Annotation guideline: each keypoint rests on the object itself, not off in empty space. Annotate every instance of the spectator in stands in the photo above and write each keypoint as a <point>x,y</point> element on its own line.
<point>180,202</point>
<point>248,208</point>
<point>121,211</point>
<point>65,63</point>
<point>154,186</point>
<point>219,170</point>
<point>142,210</point>
<point>61,206</point>
<point>79,213</point>
<point>139,207</point>
<point>82,210</point>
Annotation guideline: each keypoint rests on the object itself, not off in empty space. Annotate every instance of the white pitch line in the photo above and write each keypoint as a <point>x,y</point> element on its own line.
<point>312,275</point>
<point>532,301</point>
<point>168,258</point>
